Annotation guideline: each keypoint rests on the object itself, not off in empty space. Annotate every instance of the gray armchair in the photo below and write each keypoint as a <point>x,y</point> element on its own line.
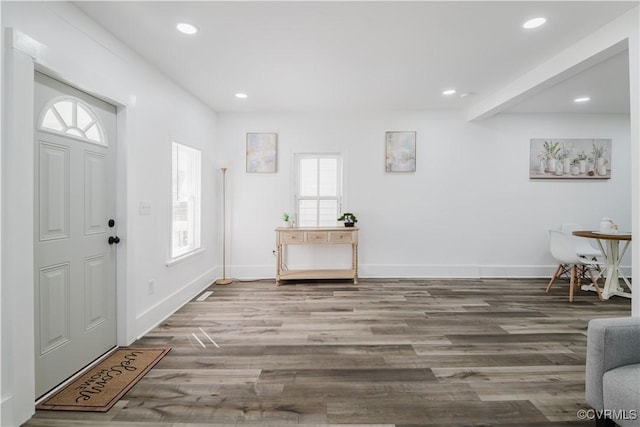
<point>613,371</point>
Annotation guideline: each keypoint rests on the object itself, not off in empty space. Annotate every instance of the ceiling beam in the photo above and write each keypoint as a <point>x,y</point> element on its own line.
<point>597,47</point>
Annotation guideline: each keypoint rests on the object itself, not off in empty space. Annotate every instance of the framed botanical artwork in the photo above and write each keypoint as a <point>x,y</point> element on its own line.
<point>400,154</point>
<point>573,158</point>
<point>262,152</point>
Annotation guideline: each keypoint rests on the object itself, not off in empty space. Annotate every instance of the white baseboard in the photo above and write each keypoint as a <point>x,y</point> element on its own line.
<point>244,272</point>
<point>6,411</point>
<point>155,315</point>
<point>416,271</point>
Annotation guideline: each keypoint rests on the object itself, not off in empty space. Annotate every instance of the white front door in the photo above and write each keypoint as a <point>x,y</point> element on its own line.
<point>75,289</point>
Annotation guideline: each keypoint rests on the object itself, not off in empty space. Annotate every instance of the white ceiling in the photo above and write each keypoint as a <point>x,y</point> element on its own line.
<point>361,55</point>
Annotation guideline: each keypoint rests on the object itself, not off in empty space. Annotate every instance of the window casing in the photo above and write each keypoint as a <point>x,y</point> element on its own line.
<point>318,189</point>
<point>185,200</point>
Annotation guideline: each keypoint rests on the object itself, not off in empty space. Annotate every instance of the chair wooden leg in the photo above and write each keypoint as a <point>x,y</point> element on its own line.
<point>595,283</point>
<point>555,276</point>
<point>572,282</point>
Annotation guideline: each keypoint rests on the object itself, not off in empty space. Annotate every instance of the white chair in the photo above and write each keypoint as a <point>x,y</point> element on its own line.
<point>583,246</point>
<point>562,249</point>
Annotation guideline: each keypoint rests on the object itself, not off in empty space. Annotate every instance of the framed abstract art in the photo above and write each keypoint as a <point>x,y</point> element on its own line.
<point>262,152</point>
<point>400,151</point>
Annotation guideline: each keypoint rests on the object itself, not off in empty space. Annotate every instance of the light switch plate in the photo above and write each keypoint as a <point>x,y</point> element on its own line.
<point>145,208</point>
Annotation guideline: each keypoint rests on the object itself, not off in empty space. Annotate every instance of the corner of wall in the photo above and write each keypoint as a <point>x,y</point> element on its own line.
<point>152,317</point>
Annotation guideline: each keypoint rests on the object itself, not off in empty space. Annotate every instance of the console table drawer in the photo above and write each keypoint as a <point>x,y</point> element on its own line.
<point>341,237</point>
<point>315,237</point>
<point>292,237</point>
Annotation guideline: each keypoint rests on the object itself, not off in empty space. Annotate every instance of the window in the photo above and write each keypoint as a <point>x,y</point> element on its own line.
<point>318,189</point>
<point>71,117</point>
<point>185,200</point>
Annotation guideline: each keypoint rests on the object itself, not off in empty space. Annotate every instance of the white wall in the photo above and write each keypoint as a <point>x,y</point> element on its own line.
<point>634,101</point>
<point>152,111</point>
<point>470,209</point>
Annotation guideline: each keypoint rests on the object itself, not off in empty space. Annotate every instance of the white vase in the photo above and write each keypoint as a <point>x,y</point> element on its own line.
<point>559,168</point>
<point>551,165</point>
<point>575,170</point>
<point>582,164</point>
<point>605,225</point>
<point>602,170</point>
<point>566,164</point>
<point>541,168</point>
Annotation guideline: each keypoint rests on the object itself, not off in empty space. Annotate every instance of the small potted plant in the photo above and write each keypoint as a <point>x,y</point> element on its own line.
<point>348,218</point>
<point>286,219</point>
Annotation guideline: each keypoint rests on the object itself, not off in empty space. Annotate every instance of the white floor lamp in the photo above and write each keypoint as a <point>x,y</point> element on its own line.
<point>224,280</point>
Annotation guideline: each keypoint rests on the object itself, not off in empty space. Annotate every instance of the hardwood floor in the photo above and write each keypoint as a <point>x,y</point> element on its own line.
<point>383,352</point>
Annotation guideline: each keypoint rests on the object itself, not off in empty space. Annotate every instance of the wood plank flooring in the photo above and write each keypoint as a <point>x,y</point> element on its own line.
<point>383,352</point>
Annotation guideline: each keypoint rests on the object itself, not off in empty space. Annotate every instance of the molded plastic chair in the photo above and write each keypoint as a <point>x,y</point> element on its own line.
<point>563,250</point>
<point>585,248</point>
<point>582,246</point>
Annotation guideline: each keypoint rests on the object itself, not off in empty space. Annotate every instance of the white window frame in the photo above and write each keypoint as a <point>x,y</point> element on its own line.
<point>176,254</point>
<point>296,185</point>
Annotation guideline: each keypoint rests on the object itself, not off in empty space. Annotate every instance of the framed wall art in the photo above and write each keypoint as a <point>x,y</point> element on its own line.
<point>262,152</point>
<point>573,158</point>
<point>400,151</point>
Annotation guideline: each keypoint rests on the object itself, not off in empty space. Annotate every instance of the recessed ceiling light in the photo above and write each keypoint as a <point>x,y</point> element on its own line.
<point>449,92</point>
<point>582,99</point>
<point>185,28</point>
<point>242,95</point>
<point>534,23</point>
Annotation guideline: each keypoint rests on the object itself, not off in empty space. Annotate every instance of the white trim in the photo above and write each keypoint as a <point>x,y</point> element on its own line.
<point>184,257</point>
<point>156,314</point>
<point>197,219</point>
<point>297,157</point>
<point>634,115</point>
<point>18,342</point>
<point>25,44</point>
<point>24,56</point>
<point>420,271</point>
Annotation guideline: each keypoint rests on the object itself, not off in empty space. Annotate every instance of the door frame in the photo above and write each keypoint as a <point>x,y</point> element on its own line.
<point>24,56</point>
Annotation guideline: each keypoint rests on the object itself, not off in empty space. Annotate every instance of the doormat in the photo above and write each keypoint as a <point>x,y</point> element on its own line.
<point>106,381</point>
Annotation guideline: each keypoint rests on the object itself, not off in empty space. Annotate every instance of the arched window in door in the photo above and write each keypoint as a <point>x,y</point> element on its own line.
<point>72,117</point>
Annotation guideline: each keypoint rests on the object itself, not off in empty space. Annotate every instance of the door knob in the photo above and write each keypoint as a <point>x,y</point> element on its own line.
<point>114,239</point>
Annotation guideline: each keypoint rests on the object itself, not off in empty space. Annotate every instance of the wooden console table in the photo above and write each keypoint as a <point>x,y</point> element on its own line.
<point>317,236</point>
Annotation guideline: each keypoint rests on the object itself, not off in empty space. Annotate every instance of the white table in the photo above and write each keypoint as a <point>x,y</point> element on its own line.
<point>610,247</point>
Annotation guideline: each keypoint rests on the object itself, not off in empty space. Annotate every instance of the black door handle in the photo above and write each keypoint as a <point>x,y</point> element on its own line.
<point>113,240</point>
